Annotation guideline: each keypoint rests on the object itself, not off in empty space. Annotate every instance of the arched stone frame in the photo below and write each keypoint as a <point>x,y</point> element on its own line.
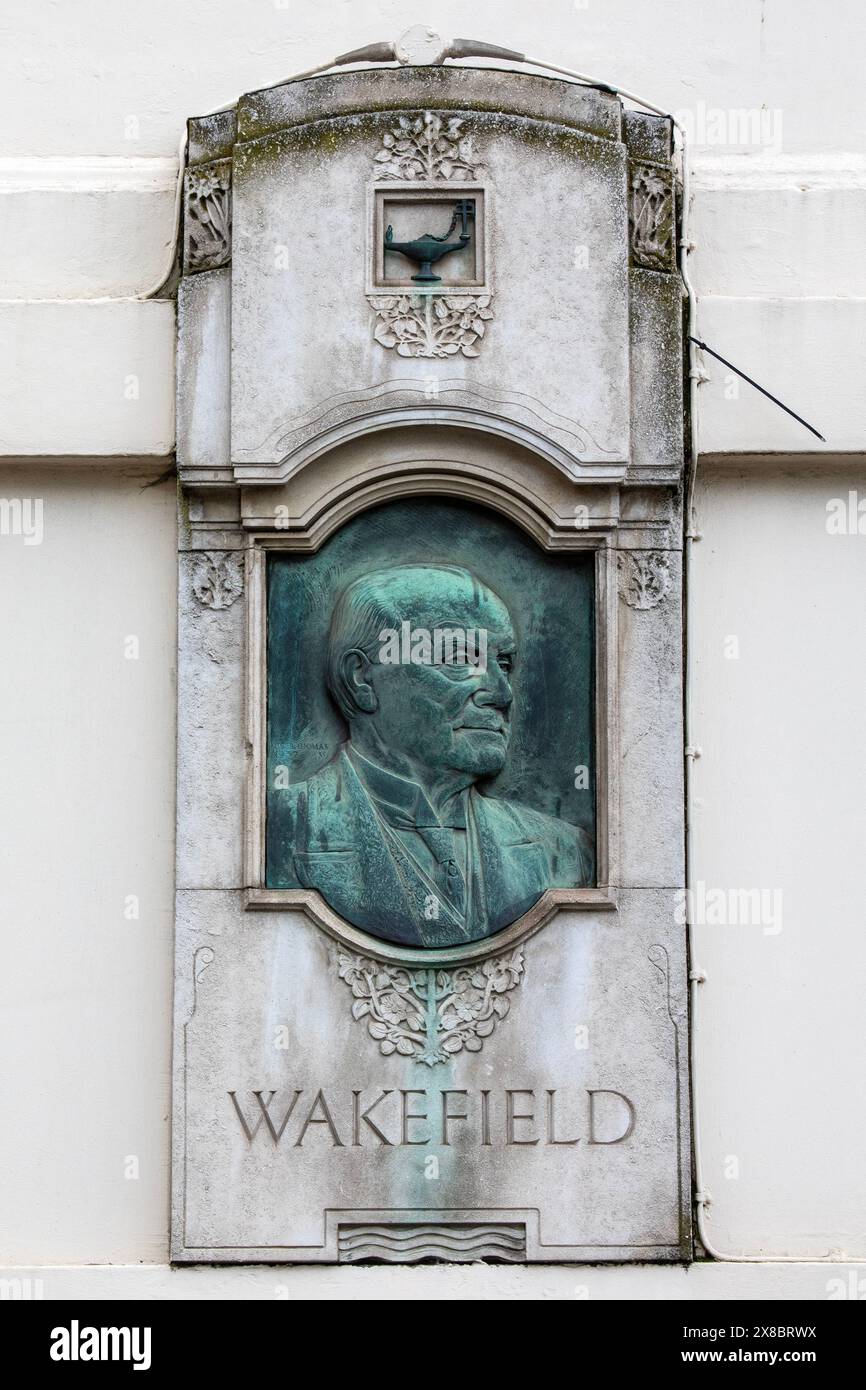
<point>363,473</point>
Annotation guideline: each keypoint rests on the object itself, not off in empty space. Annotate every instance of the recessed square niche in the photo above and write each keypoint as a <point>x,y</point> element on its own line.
<point>417,210</point>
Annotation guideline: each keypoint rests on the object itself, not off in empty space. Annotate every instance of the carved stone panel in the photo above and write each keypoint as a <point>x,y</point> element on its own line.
<point>430,965</point>
<point>561,1136</point>
<point>542,252</point>
<point>651,217</point>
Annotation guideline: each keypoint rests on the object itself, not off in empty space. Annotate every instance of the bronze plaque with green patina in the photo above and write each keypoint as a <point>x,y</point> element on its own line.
<point>430,723</point>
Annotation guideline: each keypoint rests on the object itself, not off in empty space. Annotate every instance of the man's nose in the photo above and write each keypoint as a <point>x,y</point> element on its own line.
<point>494,688</point>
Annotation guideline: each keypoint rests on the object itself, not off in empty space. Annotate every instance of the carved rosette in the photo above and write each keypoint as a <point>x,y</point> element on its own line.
<point>431,325</point>
<point>427,147</point>
<point>430,1015</point>
<point>208,218</point>
<point>218,578</point>
<point>651,217</point>
<point>645,578</point>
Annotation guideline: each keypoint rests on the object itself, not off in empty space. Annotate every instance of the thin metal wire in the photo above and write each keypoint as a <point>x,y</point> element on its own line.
<point>758,387</point>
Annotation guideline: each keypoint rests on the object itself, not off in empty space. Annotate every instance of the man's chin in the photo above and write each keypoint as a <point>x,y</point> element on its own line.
<point>480,751</point>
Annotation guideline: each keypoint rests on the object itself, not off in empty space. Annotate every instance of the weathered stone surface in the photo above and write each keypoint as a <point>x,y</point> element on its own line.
<point>204,378</point>
<point>210,723</point>
<point>554,357</point>
<point>650,715</point>
<point>601,1009</point>
<point>346,1091</point>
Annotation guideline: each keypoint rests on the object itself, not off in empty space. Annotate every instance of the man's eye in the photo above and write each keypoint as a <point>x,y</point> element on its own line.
<point>456,670</point>
<point>506,663</point>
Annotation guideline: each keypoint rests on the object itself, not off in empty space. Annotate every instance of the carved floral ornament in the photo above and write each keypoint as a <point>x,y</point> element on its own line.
<point>434,324</point>
<point>651,217</point>
<point>430,1015</point>
<point>645,578</point>
<point>208,221</point>
<point>427,325</point>
<point>218,578</point>
<point>427,147</point>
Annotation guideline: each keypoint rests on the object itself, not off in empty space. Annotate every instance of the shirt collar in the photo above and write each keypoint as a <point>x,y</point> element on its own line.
<point>402,802</point>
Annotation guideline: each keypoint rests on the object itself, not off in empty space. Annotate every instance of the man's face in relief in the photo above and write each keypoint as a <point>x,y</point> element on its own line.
<point>451,712</point>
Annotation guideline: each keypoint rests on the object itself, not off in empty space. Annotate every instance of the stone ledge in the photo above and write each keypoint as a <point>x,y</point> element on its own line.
<point>809,1281</point>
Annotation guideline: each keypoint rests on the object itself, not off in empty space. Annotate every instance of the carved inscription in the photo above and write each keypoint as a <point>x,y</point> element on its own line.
<point>411,1117</point>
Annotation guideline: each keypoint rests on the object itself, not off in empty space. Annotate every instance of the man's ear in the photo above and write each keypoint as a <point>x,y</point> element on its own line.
<point>355,672</point>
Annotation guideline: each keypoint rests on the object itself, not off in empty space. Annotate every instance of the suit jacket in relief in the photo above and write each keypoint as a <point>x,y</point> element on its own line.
<point>332,833</point>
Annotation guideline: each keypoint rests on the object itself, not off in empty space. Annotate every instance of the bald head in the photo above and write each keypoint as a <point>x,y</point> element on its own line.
<point>427,596</point>
<point>429,718</point>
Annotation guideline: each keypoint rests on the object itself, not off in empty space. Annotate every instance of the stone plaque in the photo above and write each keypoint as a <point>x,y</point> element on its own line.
<point>430,988</point>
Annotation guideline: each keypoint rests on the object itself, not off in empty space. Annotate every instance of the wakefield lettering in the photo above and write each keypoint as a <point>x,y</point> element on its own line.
<point>398,1118</point>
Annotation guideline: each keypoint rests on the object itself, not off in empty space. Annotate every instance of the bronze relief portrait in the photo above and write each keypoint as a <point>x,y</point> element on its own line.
<point>432,775</point>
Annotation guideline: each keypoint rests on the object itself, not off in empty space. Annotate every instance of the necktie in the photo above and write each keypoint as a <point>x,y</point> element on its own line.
<point>440,842</point>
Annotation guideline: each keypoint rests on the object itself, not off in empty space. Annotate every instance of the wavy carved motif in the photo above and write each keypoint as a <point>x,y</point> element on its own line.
<point>457,1244</point>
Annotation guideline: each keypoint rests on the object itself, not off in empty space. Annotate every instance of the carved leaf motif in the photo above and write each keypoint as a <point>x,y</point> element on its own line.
<point>430,1014</point>
<point>651,218</point>
<point>645,578</point>
<point>425,147</point>
<point>217,578</point>
<point>208,223</point>
<point>431,325</point>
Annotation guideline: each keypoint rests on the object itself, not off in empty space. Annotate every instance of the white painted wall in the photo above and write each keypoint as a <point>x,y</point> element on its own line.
<point>778,804</point>
<point>99,94</point>
<point>86,819</point>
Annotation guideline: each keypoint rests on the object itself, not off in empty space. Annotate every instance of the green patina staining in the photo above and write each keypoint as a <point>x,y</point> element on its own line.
<point>452,90</point>
<point>329,134</point>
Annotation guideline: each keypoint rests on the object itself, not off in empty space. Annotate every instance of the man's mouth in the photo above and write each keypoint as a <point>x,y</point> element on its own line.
<point>483,727</point>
